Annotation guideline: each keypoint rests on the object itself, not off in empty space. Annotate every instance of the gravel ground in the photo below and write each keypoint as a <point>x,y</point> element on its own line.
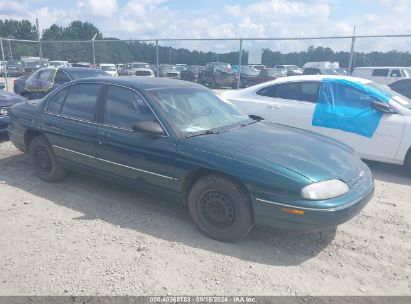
<point>84,236</point>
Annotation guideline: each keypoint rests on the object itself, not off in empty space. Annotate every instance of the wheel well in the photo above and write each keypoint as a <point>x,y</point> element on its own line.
<point>29,136</point>
<point>196,174</point>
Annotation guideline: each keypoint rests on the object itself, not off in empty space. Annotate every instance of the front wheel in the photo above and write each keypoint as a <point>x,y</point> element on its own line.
<point>44,161</point>
<point>220,208</point>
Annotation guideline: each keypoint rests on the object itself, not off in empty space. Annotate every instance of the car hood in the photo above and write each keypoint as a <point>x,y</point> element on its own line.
<point>8,99</point>
<point>269,145</point>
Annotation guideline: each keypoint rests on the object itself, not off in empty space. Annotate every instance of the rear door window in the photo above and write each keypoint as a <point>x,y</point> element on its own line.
<point>81,101</point>
<point>301,91</point>
<point>380,72</point>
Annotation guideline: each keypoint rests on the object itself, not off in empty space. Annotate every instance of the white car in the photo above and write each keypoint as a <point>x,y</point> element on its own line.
<point>371,118</point>
<point>109,68</point>
<point>59,63</point>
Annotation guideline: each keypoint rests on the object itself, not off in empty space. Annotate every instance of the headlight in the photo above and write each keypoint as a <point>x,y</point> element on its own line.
<point>324,190</point>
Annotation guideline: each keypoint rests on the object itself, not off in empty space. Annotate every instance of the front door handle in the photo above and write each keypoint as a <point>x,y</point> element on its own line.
<point>103,136</point>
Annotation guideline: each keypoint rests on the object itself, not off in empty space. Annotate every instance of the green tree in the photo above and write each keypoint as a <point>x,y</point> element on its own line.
<point>18,29</point>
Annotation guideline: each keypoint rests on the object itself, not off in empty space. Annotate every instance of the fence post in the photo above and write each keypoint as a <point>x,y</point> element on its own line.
<point>39,42</point>
<point>239,64</point>
<point>157,67</point>
<point>4,64</point>
<point>93,50</point>
<point>350,63</point>
<point>11,53</point>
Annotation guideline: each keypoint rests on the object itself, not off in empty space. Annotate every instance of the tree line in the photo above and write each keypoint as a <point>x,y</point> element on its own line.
<point>56,43</point>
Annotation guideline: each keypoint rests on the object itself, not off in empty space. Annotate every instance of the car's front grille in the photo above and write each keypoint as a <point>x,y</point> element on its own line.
<point>143,73</point>
<point>4,111</point>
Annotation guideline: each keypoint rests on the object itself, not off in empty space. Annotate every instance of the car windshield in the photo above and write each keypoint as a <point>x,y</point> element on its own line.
<point>168,67</point>
<point>223,67</point>
<point>13,63</point>
<point>397,97</point>
<point>273,72</point>
<point>249,70</point>
<point>108,68</point>
<point>195,111</point>
<point>141,66</point>
<point>88,73</point>
<point>33,64</point>
<point>292,68</point>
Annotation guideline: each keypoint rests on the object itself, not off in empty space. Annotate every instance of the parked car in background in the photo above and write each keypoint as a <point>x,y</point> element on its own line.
<point>323,68</point>
<point>45,80</point>
<point>218,74</point>
<point>59,63</point>
<point>248,75</point>
<point>19,83</point>
<point>291,70</point>
<point>7,100</point>
<point>81,65</point>
<point>182,67</point>
<point>257,66</point>
<point>371,118</point>
<point>168,70</point>
<point>140,69</point>
<point>14,68</point>
<point>191,74</point>
<point>182,141</point>
<point>383,75</point>
<point>402,86</point>
<point>31,66</point>
<point>268,74</point>
<point>123,69</point>
<point>109,68</point>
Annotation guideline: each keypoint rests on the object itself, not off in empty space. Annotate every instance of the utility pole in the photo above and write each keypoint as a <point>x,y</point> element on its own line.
<point>94,51</point>
<point>350,63</point>
<point>39,42</point>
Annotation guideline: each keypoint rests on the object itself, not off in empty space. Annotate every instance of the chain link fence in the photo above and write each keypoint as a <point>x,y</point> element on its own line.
<point>349,52</point>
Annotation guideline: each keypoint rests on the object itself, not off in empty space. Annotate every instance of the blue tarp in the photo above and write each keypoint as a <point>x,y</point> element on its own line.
<point>346,105</point>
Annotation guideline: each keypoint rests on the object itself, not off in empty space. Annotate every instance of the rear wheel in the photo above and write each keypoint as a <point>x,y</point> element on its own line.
<point>407,162</point>
<point>220,208</point>
<point>44,161</point>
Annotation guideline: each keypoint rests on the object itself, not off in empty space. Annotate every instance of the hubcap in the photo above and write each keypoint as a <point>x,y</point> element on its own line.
<point>217,210</point>
<point>43,159</point>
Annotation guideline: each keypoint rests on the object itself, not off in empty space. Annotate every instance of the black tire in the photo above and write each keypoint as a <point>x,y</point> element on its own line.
<point>407,163</point>
<point>220,208</point>
<point>44,161</point>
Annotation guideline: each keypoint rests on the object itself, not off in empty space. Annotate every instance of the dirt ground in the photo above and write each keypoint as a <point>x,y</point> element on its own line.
<point>85,236</point>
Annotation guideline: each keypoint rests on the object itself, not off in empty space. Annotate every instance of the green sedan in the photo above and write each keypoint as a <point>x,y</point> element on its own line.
<point>182,141</point>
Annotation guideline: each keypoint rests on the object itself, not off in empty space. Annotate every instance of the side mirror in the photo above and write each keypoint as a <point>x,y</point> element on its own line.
<point>382,107</point>
<point>148,127</point>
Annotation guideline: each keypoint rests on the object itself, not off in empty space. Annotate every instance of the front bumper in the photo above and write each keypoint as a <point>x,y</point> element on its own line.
<point>308,218</point>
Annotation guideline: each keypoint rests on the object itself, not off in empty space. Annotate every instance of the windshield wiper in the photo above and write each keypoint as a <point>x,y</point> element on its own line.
<point>208,132</point>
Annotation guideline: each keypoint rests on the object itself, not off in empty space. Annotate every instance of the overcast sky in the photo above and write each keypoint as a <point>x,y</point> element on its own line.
<point>219,18</point>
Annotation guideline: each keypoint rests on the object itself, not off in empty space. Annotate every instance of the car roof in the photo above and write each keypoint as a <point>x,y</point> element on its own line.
<point>143,83</point>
